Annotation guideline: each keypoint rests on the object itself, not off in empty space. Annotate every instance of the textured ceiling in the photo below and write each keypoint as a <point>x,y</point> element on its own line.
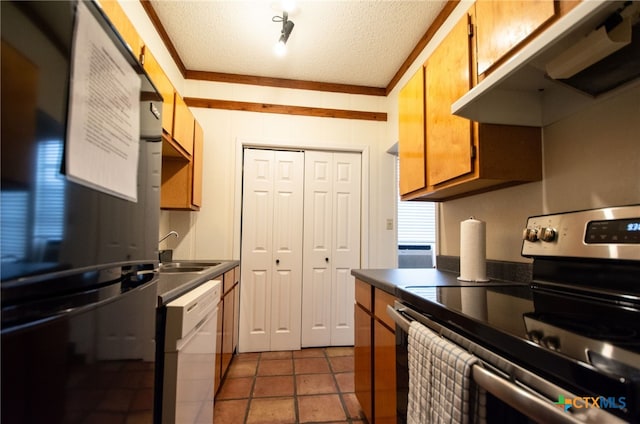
<point>355,42</point>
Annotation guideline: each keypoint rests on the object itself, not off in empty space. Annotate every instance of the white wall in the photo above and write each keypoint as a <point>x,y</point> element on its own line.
<point>214,231</point>
<point>591,159</point>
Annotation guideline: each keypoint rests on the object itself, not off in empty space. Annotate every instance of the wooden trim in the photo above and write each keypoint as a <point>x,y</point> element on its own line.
<point>285,83</point>
<point>148,7</point>
<point>417,50</point>
<point>300,84</point>
<point>284,109</point>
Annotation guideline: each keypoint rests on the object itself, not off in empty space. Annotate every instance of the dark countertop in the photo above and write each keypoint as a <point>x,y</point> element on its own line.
<point>174,285</point>
<point>393,279</point>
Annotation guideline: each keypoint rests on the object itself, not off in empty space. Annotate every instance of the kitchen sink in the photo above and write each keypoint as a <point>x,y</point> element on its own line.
<point>190,264</point>
<point>175,269</point>
<point>187,266</point>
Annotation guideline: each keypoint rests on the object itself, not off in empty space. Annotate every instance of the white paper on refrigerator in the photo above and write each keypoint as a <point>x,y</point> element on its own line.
<point>102,145</point>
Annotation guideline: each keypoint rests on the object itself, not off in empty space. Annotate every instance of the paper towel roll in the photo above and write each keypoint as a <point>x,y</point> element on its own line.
<point>473,250</point>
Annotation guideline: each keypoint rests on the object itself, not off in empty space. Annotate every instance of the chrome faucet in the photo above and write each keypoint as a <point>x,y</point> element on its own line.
<point>171,233</point>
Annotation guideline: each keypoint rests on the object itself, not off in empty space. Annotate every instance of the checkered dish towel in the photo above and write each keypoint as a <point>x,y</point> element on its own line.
<point>441,389</point>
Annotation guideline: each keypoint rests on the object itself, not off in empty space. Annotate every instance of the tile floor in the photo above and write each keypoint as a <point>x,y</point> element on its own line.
<point>312,385</point>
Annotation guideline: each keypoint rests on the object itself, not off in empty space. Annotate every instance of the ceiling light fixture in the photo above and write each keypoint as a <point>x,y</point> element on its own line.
<point>287,27</point>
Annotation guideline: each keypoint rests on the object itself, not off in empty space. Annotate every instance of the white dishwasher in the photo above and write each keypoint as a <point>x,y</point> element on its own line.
<point>190,352</point>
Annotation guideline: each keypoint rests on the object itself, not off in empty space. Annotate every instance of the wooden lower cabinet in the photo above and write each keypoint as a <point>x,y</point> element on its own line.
<point>218,377</point>
<point>375,355</point>
<point>384,374</point>
<point>227,340</point>
<point>227,331</point>
<point>362,360</point>
<point>236,311</point>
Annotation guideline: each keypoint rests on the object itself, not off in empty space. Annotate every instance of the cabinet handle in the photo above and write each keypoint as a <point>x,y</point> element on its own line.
<point>326,259</point>
<point>277,261</point>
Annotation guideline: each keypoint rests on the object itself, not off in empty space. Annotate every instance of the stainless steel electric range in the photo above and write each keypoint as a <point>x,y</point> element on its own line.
<point>565,348</point>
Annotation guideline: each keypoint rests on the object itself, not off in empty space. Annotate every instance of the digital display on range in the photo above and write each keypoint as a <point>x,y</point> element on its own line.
<point>626,231</point>
<point>633,226</point>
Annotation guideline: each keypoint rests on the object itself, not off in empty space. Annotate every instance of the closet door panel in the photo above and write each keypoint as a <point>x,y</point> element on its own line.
<point>317,273</point>
<point>346,244</point>
<point>271,258</point>
<point>286,305</point>
<point>257,252</point>
<point>332,247</point>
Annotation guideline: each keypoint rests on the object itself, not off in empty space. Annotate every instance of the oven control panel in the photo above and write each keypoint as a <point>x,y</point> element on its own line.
<point>607,233</point>
<point>613,231</point>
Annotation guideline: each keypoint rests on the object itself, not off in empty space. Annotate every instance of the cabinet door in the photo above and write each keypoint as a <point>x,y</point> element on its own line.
<point>183,125</point>
<point>124,26</point>
<point>218,363</point>
<point>502,25</point>
<point>384,372</point>
<point>196,166</point>
<point>236,310</point>
<point>411,136</point>
<point>362,361</point>
<point>449,148</point>
<point>227,331</point>
<point>164,86</point>
<point>176,183</point>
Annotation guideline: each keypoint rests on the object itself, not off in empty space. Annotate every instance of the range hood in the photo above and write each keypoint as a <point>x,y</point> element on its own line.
<point>593,52</point>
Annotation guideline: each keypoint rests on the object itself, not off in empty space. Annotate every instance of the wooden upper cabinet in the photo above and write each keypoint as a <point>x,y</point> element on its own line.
<point>411,141</point>
<point>183,125</point>
<point>164,86</point>
<point>121,22</point>
<point>449,145</point>
<point>182,145</point>
<point>182,179</point>
<point>196,165</point>
<point>463,157</point>
<point>503,25</point>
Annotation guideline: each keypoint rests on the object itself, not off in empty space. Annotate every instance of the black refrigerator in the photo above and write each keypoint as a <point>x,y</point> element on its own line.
<point>79,210</point>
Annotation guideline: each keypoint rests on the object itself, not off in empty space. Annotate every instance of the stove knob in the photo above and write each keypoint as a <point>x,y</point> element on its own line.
<point>530,234</point>
<point>552,343</point>
<point>548,234</point>
<point>535,336</point>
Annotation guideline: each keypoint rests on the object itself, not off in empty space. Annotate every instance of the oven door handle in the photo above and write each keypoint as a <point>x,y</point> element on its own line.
<point>529,404</point>
<point>401,321</point>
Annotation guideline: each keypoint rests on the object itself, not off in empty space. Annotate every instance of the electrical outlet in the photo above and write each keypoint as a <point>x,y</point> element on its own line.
<point>389,224</point>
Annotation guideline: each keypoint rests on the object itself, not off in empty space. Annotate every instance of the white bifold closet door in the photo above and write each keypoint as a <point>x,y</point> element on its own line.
<point>271,265</point>
<point>331,247</point>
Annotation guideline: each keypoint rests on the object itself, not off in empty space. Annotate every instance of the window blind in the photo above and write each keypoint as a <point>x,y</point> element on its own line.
<point>416,221</point>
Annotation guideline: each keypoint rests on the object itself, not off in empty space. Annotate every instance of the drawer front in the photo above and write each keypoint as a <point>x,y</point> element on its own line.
<point>363,294</point>
<point>382,299</point>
